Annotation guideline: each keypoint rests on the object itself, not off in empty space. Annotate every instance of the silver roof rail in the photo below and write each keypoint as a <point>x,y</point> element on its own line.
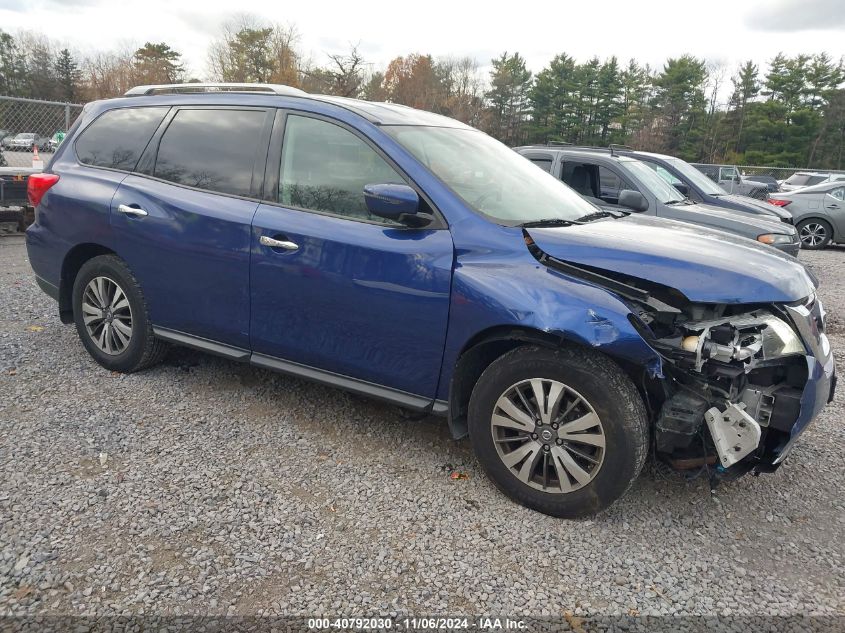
<point>162,89</point>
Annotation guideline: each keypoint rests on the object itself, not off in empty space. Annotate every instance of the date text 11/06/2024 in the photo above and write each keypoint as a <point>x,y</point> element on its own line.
<point>415,624</point>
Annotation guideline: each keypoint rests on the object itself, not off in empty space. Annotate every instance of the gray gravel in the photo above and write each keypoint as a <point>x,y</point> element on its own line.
<point>207,487</point>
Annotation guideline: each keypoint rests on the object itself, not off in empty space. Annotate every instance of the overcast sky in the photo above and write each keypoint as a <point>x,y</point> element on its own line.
<point>727,31</point>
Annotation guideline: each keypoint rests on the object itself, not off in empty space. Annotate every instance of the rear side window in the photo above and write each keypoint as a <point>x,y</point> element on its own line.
<point>118,137</point>
<point>211,149</point>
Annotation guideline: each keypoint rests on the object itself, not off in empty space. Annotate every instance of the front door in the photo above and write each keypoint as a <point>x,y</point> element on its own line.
<point>347,293</point>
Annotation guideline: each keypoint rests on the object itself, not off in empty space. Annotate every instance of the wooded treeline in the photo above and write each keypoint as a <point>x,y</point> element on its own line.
<point>791,115</point>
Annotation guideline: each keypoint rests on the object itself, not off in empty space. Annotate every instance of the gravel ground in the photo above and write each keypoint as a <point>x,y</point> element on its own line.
<point>207,487</point>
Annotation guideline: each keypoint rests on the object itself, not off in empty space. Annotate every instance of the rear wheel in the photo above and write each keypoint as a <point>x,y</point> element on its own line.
<point>111,316</point>
<point>561,431</point>
<point>814,234</point>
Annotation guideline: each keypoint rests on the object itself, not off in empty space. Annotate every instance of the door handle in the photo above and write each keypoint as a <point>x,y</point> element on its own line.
<point>833,206</point>
<point>273,243</point>
<point>134,211</point>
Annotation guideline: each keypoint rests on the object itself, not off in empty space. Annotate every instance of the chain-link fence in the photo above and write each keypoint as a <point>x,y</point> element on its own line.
<point>780,173</point>
<point>26,124</point>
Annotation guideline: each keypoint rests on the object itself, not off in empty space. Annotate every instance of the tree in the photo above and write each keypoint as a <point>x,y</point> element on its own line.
<point>12,68</point>
<point>681,105</point>
<point>412,81</point>
<point>509,98</point>
<point>157,64</point>
<point>746,88</point>
<point>68,76</point>
<point>251,51</point>
<point>343,77</point>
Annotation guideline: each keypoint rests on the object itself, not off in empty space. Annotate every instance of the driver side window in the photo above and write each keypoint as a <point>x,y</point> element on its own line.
<point>325,167</point>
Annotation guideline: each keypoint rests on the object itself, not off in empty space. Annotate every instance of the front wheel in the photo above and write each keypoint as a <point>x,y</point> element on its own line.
<point>814,234</point>
<point>562,431</point>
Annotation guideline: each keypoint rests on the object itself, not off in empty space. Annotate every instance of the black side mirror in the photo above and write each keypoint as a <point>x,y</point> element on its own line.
<point>395,202</point>
<point>682,187</point>
<point>633,200</point>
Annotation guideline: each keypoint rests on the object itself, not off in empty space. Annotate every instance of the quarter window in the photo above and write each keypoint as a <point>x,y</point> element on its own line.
<point>839,193</point>
<point>118,137</point>
<point>325,167</point>
<point>211,149</point>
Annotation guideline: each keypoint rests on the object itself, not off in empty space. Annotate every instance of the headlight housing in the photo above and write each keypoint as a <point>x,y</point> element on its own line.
<point>774,238</point>
<point>779,339</point>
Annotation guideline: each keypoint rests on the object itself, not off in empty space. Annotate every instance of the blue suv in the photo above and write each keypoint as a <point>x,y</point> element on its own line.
<point>408,257</point>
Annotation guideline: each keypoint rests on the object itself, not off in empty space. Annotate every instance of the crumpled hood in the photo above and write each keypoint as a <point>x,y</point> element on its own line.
<point>707,266</point>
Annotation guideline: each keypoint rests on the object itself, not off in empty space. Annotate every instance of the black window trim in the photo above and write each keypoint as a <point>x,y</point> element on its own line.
<point>148,158</point>
<point>274,163</point>
<point>80,133</point>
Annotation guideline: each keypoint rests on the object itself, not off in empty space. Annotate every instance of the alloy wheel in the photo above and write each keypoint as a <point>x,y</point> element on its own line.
<point>548,435</point>
<point>107,315</point>
<point>813,234</point>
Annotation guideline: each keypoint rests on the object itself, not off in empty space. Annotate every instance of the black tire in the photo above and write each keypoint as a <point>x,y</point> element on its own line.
<point>814,233</point>
<point>602,385</point>
<point>143,348</point>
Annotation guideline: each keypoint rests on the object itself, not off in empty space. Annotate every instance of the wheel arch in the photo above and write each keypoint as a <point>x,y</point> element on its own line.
<point>73,261</point>
<point>488,345</point>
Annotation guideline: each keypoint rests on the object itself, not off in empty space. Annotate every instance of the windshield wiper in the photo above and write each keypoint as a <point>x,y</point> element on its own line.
<point>606,213</point>
<point>548,222</point>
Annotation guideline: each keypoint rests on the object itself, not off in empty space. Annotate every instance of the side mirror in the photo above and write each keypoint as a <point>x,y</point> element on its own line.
<point>633,200</point>
<point>737,178</point>
<point>682,187</point>
<point>392,201</point>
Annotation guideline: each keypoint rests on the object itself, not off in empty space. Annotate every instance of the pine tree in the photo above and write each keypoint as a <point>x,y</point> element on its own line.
<point>67,75</point>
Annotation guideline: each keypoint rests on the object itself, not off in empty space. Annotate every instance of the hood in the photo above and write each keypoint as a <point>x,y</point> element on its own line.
<point>760,207</point>
<point>706,266</point>
<point>745,224</point>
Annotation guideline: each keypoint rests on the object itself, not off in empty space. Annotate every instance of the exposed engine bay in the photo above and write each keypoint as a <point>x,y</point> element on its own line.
<point>739,374</point>
<point>734,374</point>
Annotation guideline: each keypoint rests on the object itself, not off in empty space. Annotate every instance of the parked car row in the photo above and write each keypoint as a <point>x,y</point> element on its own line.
<point>27,141</point>
<point>565,321</point>
<point>664,187</point>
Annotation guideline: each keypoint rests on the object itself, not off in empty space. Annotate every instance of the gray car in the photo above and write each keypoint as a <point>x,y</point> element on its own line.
<point>611,180</point>
<point>802,179</point>
<point>818,212</point>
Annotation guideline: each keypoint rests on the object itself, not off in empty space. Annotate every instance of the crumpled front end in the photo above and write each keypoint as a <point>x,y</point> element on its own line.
<point>743,382</point>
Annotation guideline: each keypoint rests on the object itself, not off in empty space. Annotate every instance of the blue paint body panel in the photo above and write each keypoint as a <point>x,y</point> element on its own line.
<point>394,307</point>
<point>355,298</point>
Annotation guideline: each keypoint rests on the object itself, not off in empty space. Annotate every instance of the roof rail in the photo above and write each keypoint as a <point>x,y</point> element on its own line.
<point>161,89</point>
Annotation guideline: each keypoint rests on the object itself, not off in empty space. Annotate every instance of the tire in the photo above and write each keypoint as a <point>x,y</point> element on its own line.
<point>118,311</point>
<point>814,234</point>
<point>593,387</point>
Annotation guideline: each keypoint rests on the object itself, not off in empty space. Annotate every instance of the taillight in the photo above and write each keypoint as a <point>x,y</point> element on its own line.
<point>37,186</point>
<point>778,202</point>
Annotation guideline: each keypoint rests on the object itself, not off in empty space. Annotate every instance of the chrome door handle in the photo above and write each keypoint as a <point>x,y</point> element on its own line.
<point>127,210</point>
<point>269,241</point>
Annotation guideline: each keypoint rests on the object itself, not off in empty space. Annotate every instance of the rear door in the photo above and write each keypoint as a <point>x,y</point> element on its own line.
<point>182,221</point>
<point>350,295</point>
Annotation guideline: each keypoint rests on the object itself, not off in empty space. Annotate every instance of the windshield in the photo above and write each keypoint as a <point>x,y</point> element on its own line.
<point>492,179</point>
<point>25,136</point>
<point>694,176</point>
<point>797,179</point>
<point>659,188</point>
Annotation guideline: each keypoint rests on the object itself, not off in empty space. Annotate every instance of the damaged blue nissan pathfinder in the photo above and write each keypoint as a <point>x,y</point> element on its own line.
<point>408,257</point>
